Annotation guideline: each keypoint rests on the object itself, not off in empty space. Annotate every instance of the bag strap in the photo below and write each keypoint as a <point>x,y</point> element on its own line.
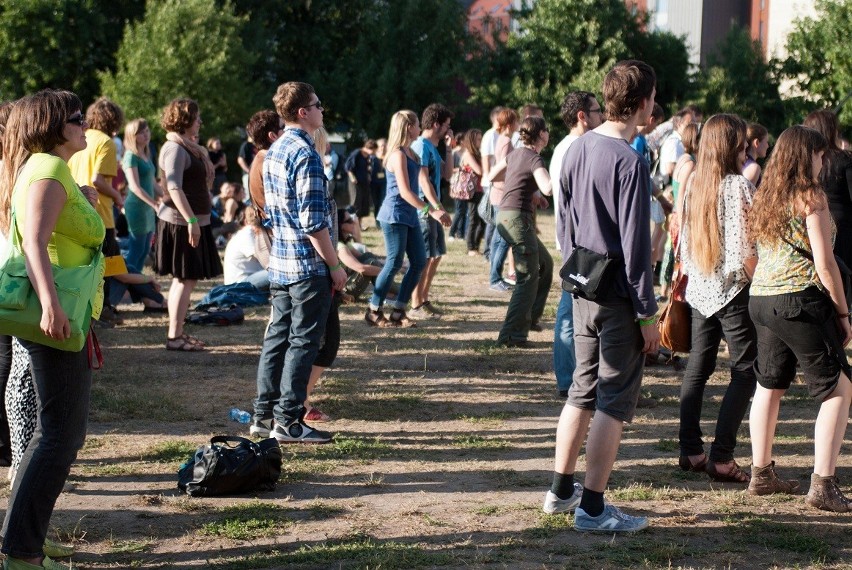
<point>226,439</point>
<point>803,252</point>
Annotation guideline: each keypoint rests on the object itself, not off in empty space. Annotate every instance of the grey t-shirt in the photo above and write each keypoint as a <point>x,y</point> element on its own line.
<point>606,193</point>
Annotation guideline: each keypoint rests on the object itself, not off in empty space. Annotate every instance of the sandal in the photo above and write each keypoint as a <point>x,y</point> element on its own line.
<point>192,340</point>
<point>735,475</point>
<point>182,344</point>
<point>398,318</point>
<point>376,318</point>
<point>686,464</point>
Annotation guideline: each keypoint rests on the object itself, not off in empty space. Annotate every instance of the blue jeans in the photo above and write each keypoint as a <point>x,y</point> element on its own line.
<point>499,249</point>
<point>291,344</point>
<point>63,382</point>
<point>138,248</point>
<point>489,235</point>
<point>400,240</point>
<point>564,360</point>
<point>459,226</point>
<point>260,279</point>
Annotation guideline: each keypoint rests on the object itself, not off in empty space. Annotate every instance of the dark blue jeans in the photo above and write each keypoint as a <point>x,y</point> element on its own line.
<point>400,240</point>
<point>63,382</point>
<point>564,361</point>
<point>734,322</point>
<point>459,227</point>
<point>291,344</point>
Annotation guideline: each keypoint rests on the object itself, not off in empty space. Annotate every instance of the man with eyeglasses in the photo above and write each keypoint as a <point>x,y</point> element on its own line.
<point>303,268</point>
<point>581,113</point>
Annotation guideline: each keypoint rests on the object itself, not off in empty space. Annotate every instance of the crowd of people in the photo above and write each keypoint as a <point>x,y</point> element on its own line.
<point>758,251</point>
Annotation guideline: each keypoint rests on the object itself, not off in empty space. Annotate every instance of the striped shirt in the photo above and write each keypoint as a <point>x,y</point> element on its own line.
<point>298,205</point>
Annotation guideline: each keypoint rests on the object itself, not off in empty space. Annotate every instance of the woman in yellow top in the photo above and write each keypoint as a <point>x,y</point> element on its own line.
<point>59,226</point>
<point>801,314</point>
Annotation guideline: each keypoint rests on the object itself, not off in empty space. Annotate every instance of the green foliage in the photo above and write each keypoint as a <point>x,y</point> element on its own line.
<point>819,61</point>
<point>185,48</point>
<point>45,43</point>
<point>568,45</point>
<point>737,80</point>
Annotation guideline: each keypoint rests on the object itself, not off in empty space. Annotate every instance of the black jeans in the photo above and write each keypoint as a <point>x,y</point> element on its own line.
<point>475,224</point>
<point>63,382</point>
<point>734,322</point>
<point>5,370</point>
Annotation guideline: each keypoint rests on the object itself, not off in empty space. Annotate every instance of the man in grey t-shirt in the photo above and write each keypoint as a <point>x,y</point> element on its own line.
<point>605,188</point>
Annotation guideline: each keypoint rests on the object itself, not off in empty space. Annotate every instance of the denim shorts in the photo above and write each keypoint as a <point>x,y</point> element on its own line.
<point>798,327</point>
<point>433,237</point>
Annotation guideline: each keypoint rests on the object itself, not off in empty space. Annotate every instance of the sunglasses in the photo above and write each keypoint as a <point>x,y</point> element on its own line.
<point>77,119</point>
<point>318,105</point>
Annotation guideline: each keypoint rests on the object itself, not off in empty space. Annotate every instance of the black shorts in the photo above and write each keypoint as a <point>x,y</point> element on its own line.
<point>798,327</point>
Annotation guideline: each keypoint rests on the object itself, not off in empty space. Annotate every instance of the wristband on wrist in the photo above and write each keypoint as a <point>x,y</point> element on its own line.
<point>647,322</point>
<point>842,315</point>
<point>338,266</point>
<point>192,220</point>
<point>425,209</point>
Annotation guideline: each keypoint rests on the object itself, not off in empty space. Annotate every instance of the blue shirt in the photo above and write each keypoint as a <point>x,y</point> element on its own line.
<point>298,205</point>
<point>429,158</point>
<point>640,145</point>
<point>394,209</point>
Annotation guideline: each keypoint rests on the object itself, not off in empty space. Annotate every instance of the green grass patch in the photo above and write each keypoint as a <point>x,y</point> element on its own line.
<point>248,521</point>
<point>667,445</point>
<point>303,469</point>
<point>494,417</point>
<point>120,403</point>
<point>509,478</point>
<point>487,510</point>
<point>549,525</point>
<point>175,451</point>
<point>358,552</point>
<point>353,448</point>
<point>780,536</point>
<point>480,442</point>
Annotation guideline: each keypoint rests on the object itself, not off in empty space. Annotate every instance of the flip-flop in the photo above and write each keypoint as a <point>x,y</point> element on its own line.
<point>181,344</point>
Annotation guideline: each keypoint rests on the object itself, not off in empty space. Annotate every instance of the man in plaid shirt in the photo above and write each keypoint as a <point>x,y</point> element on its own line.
<point>303,268</point>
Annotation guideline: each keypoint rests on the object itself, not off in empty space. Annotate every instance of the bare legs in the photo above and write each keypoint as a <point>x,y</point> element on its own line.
<point>179,294</point>
<point>601,447</point>
<point>421,292</point>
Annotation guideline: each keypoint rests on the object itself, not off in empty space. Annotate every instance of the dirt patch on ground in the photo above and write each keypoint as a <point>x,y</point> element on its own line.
<point>443,456</point>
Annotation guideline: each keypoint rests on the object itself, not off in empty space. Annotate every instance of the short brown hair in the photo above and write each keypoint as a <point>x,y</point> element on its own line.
<point>105,116</point>
<point>290,97</point>
<point>260,125</point>
<point>506,117</point>
<point>179,115</point>
<point>370,144</point>
<point>625,87</point>
<point>435,113</point>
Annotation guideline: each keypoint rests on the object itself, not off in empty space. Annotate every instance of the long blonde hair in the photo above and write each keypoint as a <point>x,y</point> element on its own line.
<point>321,141</point>
<point>722,140</point>
<point>398,134</point>
<point>132,129</point>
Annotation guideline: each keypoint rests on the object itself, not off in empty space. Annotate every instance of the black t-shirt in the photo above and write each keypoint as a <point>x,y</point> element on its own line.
<point>215,157</point>
<point>520,185</point>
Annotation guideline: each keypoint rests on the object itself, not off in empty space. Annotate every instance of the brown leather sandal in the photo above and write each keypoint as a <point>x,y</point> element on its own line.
<point>687,465</point>
<point>735,475</point>
<point>398,318</point>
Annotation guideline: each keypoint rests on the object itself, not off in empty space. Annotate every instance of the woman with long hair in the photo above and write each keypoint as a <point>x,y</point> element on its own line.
<point>719,257</point>
<point>186,248</point>
<point>472,158</point>
<point>758,143</point>
<point>801,314</point>
<point>400,224</point>
<point>57,225</point>
<point>525,182</point>
<point>836,180</point>
<point>142,203</point>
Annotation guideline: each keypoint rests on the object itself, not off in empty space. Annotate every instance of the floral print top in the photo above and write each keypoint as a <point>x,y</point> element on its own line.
<point>710,293</point>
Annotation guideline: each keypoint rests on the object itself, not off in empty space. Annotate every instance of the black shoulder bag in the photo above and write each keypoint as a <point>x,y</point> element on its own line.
<point>589,274</point>
<point>222,468</point>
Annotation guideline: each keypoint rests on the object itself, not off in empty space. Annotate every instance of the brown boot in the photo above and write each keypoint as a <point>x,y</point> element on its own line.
<point>764,481</point>
<point>826,495</point>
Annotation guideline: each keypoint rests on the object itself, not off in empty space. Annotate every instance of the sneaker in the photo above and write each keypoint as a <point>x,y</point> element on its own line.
<point>56,550</point>
<point>500,287</point>
<point>48,563</point>
<point>511,279</point>
<point>535,327</point>
<point>553,504</point>
<point>298,431</point>
<point>419,313</point>
<point>261,428</point>
<point>610,520</point>
<point>431,309</point>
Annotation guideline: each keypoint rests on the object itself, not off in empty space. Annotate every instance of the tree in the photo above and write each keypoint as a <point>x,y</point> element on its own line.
<point>819,61</point>
<point>45,43</point>
<point>185,48</point>
<point>568,45</point>
<point>738,80</point>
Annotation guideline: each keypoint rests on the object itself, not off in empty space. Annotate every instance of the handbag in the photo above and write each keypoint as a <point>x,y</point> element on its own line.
<point>465,184</point>
<point>675,321</point>
<point>589,274</point>
<point>20,308</point>
<point>230,465</point>
<point>485,208</point>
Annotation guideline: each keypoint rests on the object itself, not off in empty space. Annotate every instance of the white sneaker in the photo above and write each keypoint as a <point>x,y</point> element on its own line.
<point>553,504</point>
<point>261,428</point>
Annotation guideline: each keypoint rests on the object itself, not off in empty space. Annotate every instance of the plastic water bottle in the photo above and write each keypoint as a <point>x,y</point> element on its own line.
<point>239,415</point>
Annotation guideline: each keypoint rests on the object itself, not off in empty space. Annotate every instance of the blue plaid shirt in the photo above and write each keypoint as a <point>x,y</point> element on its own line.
<point>298,204</point>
